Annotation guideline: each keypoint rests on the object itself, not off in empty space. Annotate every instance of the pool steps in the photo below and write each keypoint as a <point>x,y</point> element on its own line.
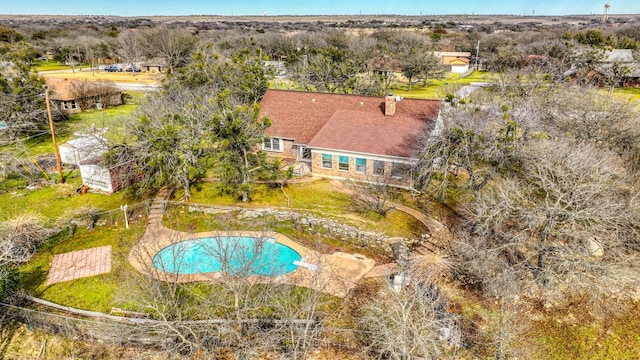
<point>312,267</point>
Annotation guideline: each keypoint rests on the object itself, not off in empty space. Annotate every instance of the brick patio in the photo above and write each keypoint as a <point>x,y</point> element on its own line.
<point>79,264</point>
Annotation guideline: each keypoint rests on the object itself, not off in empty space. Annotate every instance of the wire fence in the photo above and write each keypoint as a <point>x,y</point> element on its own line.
<point>92,218</point>
<point>82,325</point>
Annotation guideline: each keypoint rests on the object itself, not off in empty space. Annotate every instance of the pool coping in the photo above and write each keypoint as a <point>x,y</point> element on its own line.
<point>335,273</point>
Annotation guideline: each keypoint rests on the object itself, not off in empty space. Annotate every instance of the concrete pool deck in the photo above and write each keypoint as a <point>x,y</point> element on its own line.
<point>334,274</point>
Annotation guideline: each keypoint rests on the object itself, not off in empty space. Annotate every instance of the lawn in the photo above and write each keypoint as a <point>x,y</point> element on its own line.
<point>50,65</point>
<point>317,197</point>
<point>610,338</point>
<point>54,201</point>
<point>98,292</point>
<point>437,88</point>
<point>630,94</point>
<point>95,292</point>
<point>115,119</point>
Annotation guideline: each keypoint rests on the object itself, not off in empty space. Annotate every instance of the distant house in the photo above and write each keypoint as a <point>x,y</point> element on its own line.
<point>73,96</point>
<point>383,65</point>
<point>155,65</point>
<point>456,62</point>
<point>617,68</point>
<point>277,67</point>
<point>363,138</point>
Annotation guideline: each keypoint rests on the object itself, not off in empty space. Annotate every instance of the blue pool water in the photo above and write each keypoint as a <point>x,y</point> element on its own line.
<point>238,255</point>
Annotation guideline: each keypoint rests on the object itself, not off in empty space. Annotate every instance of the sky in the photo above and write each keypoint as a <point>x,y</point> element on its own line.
<point>315,7</point>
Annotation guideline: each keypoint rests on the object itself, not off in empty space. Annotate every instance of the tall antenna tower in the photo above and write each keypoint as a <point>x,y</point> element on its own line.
<point>605,14</point>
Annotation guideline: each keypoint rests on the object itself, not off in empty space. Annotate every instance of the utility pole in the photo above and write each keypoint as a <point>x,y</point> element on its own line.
<point>477,55</point>
<point>53,137</point>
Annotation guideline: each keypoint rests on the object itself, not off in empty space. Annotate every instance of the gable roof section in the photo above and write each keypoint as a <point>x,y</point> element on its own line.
<point>348,122</point>
<point>63,88</point>
<point>458,61</point>
<point>618,55</point>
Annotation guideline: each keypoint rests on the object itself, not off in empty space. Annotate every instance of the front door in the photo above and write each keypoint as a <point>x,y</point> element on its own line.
<point>305,153</point>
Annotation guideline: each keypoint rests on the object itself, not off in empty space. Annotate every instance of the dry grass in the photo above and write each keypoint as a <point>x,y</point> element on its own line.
<point>145,78</point>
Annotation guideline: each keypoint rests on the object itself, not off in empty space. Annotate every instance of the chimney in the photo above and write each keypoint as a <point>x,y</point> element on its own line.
<point>389,105</point>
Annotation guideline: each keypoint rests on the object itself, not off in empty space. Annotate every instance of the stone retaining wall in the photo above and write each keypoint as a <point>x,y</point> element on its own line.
<point>322,226</point>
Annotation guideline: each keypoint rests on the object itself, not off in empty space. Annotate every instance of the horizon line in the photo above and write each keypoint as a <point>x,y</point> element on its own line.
<point>310,15</point>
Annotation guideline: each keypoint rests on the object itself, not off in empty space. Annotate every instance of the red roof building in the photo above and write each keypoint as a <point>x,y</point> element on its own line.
<point>347,136</point>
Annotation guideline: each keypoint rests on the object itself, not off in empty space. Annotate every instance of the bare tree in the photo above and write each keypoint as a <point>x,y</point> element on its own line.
<point>129,47</point>
<point>410,323</point>
<point>588,116</point>
<point>20,237</point>
<point>561,222</point>
<point>174,45</point>
<point>373,193</point>
<point>91,93</point>
<point>475,141</point>
<point>239,306</point>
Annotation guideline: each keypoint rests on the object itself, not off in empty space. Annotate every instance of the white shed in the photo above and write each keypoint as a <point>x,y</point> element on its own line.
<point>83,149</point>
<point>108,180</point>
<point>96,177</point>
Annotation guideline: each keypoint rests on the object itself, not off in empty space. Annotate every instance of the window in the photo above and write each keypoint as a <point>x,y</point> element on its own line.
<point>64,105</point>
<point>74,104</point>
<point>399,170</point>
<point>361,165</point>
<point>343,163</point>
<point>272,144</point>
<point>327,161</point>
<point>378,167</point>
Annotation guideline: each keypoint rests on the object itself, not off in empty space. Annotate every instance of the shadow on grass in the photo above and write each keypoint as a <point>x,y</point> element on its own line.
<point>8,329</point>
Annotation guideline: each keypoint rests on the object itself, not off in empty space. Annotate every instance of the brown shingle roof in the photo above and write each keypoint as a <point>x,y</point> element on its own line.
<point>66,90</point>
<point>61,89</point>
<point>348,122</point>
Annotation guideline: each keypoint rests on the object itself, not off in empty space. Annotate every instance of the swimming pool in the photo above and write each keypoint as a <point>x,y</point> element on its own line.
<point>237,255</point>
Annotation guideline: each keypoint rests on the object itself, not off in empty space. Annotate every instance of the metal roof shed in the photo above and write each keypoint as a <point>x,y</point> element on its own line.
<point>83,149</point>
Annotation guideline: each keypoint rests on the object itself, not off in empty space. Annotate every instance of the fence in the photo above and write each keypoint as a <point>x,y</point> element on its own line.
<point>86,325</point>
<point>92,218</point>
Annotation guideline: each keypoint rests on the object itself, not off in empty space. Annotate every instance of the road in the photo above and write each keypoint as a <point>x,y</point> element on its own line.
<point>137,87</point>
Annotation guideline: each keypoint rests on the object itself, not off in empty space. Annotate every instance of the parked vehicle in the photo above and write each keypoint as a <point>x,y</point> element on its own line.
<point>113,68</point>
<point>132,69</point>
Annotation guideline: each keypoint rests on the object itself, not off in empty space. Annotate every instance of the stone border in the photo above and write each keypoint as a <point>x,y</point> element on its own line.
<point>336,273</point>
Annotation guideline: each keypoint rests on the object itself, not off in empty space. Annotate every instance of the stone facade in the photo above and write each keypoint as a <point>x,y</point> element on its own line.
<point>289,151</point>
<point>353,173</point>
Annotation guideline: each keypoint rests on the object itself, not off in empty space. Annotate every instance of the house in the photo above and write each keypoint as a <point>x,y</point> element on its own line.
<point>277,67</point>
<point>384,65</point>
<point>155,65</point>
<point>364,138</point>
<point>456,62</point>
<point>73,96</point>
<point>617,68</point>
